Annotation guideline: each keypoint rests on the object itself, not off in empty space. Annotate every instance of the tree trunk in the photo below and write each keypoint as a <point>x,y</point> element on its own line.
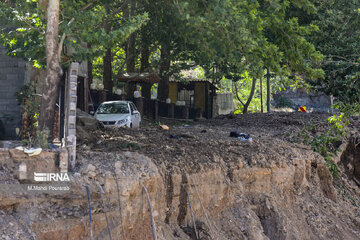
<point>145,54</point>
<point>250,96</point>
<point>90,71</point>
<point>130,47</point>
<point>268,90</point>
<point>146,87</point>
<point>53,69</point>
<point>237,93</point>
<point>163,90</point>
<point>107,61</point>
<point>107,74</point>
<point>130,54</point>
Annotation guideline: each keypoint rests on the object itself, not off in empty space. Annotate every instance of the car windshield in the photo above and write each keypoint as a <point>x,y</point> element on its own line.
<point>113,108</point>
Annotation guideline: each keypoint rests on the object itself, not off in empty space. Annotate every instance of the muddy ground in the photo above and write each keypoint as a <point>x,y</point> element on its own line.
<point>189,144</point>
<point>195,146</point>
<point>274,187</point>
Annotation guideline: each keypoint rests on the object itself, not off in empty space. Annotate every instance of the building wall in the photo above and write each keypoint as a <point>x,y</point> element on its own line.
<point>173,92</point>
<point>12,75</point>
<point>200,97</point>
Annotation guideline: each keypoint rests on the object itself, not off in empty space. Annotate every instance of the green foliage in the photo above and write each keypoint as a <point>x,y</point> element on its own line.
<point>243,87</point>
<point>42,138</point>
<point>328,142</point>
<point>338,39</point>
<point>29,99</point>
<point>231,38</point>
<point>249,36</point>
<point>348,109</point>
<point>226,38</point>
<point>25,92</point>
<point>23,28</point>
<point>30,102</point>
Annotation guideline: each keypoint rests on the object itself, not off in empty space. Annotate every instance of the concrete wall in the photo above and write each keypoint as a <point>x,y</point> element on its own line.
<point>223,104</point>
<point>313,101</point>
<point>12,75</point>
<point>23,166</point>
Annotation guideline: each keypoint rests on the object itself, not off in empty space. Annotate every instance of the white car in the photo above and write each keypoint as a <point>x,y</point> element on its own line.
<point>118,114</point>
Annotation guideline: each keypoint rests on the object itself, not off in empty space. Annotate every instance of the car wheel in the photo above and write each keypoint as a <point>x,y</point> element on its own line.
<point>131,126</point>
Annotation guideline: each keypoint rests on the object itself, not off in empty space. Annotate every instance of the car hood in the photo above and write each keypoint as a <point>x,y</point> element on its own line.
<point>111,117</point>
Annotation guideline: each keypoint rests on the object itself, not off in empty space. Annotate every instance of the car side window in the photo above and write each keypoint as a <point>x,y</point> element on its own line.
<point>132,107</point>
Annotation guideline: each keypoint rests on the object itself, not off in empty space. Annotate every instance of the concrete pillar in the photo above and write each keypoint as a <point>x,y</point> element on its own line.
<point>70,113</point>
<point>22,171</point>
<point>63,160</point>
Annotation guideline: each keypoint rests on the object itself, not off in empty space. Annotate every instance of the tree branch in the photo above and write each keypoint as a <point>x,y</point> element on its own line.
<point>236,94</point>
<point>69,23</point>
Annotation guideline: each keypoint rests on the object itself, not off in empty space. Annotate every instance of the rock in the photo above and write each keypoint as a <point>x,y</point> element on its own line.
<point>90,171</point>
<point>118,166</point>
<point>91,174</point>
<point>87,120</point>
<point>326,182</point>
<point>91,168</point>
<point>87,127</point>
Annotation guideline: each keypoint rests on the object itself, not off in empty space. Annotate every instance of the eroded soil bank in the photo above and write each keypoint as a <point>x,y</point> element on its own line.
<point>269,188</point>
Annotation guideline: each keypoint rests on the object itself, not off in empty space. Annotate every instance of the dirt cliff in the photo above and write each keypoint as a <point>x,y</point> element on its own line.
<point>269,188</point>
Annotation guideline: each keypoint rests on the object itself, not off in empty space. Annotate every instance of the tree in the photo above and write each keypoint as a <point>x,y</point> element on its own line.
<point>338,39</point>
<point>53,68</point>
<point>165,40</point>
<point>24,35</point>
<point>25,26</point>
